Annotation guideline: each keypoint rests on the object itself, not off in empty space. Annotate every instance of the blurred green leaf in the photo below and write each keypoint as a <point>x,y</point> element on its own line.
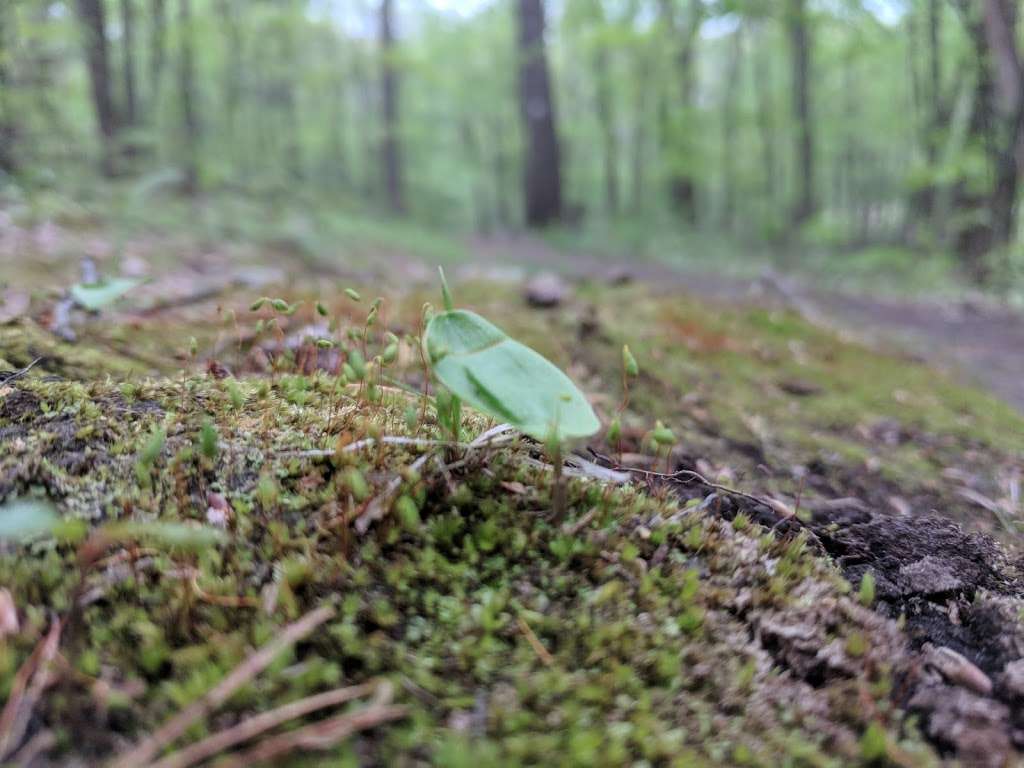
<point>96,296</point>
<point>22,519</point>
<point>192,538</point>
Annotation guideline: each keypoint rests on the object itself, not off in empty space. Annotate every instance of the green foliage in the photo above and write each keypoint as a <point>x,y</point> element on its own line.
<point>97,296</point>
<point>481,365</point>
<point>22,519</point>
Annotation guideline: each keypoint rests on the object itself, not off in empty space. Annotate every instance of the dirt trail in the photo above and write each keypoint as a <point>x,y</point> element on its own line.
<point>980,342</point>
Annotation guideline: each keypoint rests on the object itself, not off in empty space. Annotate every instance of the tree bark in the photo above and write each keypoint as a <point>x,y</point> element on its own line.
<point>97,54</point>
<point>606,118</point>
<point>542,177</point>
<point>128,61</point>
<point>157,50</point>
<point>187,94</point>
<point>390,150</point>
<point>8,127</point>
<point>682,185</point>
<point>800,53</point>
<point>762,66</point>
<point>730,115</point>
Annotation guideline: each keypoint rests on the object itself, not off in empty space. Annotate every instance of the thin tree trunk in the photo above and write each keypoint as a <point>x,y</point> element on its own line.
<point>682,185</point>
<point>293,123</point>
<point>800,51</point>
<point>542,180</point>
<point>157,51</point>
<point>763,86</point>
<point>128,61</point>
<point>232,84</point>
<point>639,133</point>
<point>97,54</point>
<point>8,127</point>
<point>730,115</point>
<point>187,94</point>
<point>606,118</point>
<point>390,151</point>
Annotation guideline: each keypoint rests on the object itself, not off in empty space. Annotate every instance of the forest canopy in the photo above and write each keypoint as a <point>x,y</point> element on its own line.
<point>839,122</point>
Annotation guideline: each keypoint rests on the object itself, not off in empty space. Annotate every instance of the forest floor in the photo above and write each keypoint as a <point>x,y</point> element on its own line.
<point>825,570</point>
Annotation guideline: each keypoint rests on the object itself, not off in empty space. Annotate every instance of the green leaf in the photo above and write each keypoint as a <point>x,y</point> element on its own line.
<point>96,296</point>
<point>22,519</point>
<point>480,364</point>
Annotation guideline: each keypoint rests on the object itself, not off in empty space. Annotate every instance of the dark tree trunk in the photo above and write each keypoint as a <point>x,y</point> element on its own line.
<point>187,94</point>
<point>157,50</point>
<point>542,178</point>
<point>97,54</point>
<point>762,66</point>
<point>730,115</point>
<point>390,150</point>
<point>800,51</point>
<point>8,127</point>
<point>682,185</point>
<point>606,119</point>
<point>998,121</point>
<point>128,61</point>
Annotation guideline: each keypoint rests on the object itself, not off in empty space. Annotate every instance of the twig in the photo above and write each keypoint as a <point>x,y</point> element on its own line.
<point>144,752</point>
<point>574,528</point>
<point>542,653</point>
<point>7,378</point>
<point>369,442</point>
<point>254,726</point>
<point>29,683</point>
<point>42,742</point>
<point>319,736</point>
<point>378,506</point>
<point>225,601</point>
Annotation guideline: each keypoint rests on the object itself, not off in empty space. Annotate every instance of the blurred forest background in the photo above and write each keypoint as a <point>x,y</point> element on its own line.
<point>883,135</point>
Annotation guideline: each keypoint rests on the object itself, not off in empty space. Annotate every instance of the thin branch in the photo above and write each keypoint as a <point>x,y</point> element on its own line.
<point>254,726</point>
<point>144,752</point>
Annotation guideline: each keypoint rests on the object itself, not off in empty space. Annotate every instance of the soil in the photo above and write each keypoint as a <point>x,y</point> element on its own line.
<point>981,341</point>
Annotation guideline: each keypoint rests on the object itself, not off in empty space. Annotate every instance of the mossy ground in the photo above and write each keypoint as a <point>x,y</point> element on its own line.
<point>676,636</point>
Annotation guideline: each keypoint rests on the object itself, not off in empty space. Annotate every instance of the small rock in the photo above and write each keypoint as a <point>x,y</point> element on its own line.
<point>1013,678</point>
<point>546,290</point>
<point>928,576</point>
<point>977,728</point>
<point>959,671</point>
<point>8,615</point>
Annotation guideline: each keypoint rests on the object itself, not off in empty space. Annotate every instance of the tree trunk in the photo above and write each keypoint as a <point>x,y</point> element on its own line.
<point>8,128</point>
<point>542,178</point>
<point>232,84</point>
<point>762,66</point>
<point>606,119</point>
<point>682,185</point>
<point>390,151</point>
<point>800,51</point>
<point>730,118</point>
<point>187,94</point>
<point>998,122</point>
<point>157,51</point>
<point>128,61</point>
<point>97,54</point>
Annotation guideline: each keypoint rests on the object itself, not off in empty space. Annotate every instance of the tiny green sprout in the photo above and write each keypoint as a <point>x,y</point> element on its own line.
<point>357,484</point>
<point>614,430</point>
<point>629,364</point>
<point>154,447</point>
<point>257,305</point>
<point>412,417</point>
<point>324,343</point>
<point>662,436</point>
<point>208,440</point>
<point>390,353</point>
<point>874,745</point>
<point>371,317</point>
<point>407,512</point>
<point>349,373</point>
<point>193,346</point>
<point>446,293</point>
<point>321,309</point>
<point>358,364</point>
<point>353,294</point>
<point>280,305</point>
<point>867,589</point>
<point>235,394</point>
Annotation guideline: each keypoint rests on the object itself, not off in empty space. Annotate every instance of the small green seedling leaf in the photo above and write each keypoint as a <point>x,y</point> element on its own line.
<point>629,364</point>
<point>177,536</point>
<point>22,519</point>
<point>481,365</point>
<point>96,296</point>
<point>353,294</point>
